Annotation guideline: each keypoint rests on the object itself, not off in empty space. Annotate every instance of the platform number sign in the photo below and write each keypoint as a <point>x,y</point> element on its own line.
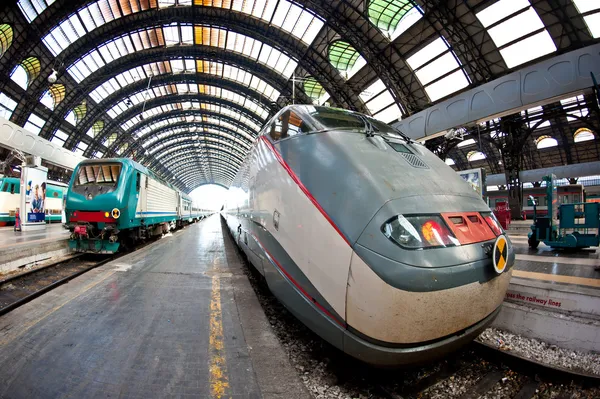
<point>500,255</point>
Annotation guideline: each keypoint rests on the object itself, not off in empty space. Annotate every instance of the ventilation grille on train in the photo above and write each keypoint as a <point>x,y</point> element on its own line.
<point>414,161</point>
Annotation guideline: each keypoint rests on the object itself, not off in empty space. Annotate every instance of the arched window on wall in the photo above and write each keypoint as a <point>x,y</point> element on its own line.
<point>473,156</point>
<point>26,72</point>
<point>110,140</point>
<point>95,129</point>
<point>583,134</point>
<point>545,142</point>
<point>315,90</point>
<point>393,17</point>
<point>53,96</point>
<point>6,38</point>
<point>345,58</point>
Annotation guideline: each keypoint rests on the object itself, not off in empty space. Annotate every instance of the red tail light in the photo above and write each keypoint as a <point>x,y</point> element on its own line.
<point>493,223</point>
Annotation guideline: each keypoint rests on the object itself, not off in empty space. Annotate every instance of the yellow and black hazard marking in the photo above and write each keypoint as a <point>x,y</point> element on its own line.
<point>500,254</point>
<point>116,213</point>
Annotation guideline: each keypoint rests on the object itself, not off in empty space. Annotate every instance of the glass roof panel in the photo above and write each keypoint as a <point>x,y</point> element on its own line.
<point>591,19</point>
<point>345,58</point>
<point>299,22</point>
<point>522,21</point>
<point>393,17</point>
<point>434,61</point>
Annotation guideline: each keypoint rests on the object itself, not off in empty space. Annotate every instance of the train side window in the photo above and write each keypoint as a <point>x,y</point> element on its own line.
<point>12,188</point>
<point>137,181</point>
<point>286,125</point>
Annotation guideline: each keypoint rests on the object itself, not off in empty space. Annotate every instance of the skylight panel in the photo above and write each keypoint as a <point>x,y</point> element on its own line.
<point>522,21</point>
<point>187,34</point>
<point>380,102</point>
<point>431,63</point>
<point>7,106</point>
<point>34,123</point>
<point>70,117</point>
<point>592,19</point>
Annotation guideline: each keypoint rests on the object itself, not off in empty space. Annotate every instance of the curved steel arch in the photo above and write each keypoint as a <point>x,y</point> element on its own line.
<point>109,129</point>
<point>185,144</point>
<point>136,111</point>
<point>193,113</point>
<point>185,139</point>
<point>159,54</point>
<point>183,172</point>
<point>314,62</point>
<point>176,114</point>
<point>212,159</point>
<point>188,170</point>
<point>224,180</point>
<point>184,124</point>
<point>195,157</point>
<point>166,79</point>
<point>138,144</point>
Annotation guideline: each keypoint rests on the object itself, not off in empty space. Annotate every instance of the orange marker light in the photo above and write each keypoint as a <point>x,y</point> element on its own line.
<point>429,230</point>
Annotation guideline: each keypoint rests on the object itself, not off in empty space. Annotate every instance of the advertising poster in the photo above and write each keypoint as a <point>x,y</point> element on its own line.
<point>35,194</point>
<point>475,178</point>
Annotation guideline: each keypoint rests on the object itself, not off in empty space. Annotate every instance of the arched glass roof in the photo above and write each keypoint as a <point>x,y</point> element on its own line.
<point>181,35</point>
<point>187,88</point>
<point>184,65</point>
<point>282,14</point>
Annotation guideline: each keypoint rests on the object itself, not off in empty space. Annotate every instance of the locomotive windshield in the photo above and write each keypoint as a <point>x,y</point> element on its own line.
<point>101,174</point>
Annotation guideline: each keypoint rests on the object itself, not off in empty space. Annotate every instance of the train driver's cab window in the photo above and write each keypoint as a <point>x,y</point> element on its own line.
<point>287,125</point>
<point>106,175</point>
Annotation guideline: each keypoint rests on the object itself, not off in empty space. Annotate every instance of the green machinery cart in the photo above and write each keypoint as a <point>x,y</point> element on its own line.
<point>567,225</point>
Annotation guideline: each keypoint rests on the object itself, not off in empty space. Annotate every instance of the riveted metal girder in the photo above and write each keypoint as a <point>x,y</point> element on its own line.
<point>156,55</point>
<point>167,79</point>
<point>127,136</point>
<point>184,138</point>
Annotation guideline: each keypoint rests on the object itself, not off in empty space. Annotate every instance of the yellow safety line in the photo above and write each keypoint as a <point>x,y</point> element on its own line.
<point>219,382</point>
<point>32,323</point>
<point>559,278</point>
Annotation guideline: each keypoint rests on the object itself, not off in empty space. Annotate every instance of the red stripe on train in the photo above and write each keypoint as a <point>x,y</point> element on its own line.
<point>303,188</point>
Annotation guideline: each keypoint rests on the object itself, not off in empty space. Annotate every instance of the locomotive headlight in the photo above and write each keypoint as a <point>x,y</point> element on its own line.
<point>106,214</point>
<point>418,232</point>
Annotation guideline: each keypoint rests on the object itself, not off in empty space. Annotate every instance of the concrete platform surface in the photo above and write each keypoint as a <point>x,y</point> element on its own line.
<point>11,238</point>
<point>554,296</point>
<point>177,318</point>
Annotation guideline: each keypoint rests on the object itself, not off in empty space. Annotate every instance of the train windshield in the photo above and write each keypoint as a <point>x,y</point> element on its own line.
<point>338,119</point>
<point>101,174</point>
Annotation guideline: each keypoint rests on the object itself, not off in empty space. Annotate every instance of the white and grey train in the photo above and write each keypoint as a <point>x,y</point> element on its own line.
<point>367,237</point>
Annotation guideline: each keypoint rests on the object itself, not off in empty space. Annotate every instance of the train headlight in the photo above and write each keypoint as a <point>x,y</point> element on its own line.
<point>419,232</point>
<point>106,214</point>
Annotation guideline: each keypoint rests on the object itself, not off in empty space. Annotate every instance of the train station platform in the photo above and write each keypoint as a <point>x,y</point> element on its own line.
<point>24,248</point>
<point>177,318</point>
<point>554,295</point>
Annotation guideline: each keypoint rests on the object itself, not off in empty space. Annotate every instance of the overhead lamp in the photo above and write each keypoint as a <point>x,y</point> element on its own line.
<point>53,76</point>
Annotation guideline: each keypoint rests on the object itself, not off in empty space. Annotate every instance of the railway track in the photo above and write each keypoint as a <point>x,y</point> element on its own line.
<point>477,371</point>
<point>19,289</point>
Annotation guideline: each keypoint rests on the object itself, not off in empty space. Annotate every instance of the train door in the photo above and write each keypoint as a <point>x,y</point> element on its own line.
<point>141,188</point>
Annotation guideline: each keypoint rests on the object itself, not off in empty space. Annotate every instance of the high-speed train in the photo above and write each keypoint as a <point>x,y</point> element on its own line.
<point>116,201</point>
<point>367,237</point>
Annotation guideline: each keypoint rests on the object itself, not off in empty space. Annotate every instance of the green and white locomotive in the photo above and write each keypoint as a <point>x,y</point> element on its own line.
<point>115,202</point>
